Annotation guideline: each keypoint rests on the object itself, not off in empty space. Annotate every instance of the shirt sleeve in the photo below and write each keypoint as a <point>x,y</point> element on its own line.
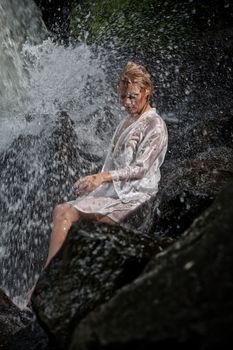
<point>111,147</point>
<point>147,154</point>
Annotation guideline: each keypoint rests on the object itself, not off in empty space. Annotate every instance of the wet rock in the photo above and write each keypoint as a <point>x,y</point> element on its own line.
<point>190,138</point>
<point>31,337</point>
<point>94,262</point>
<point>182,299</point>
<point>37,172</point>
<point>189,187</point>
<point>197,166</point>
<point>12,319</point>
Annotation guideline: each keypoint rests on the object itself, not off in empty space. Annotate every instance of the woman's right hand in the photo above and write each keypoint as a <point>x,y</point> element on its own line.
<point>80,187</point>
<point>87,184</point>
<point>91,182</point>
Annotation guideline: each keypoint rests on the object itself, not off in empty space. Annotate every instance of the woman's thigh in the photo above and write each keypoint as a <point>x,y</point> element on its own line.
<point>95,217</point>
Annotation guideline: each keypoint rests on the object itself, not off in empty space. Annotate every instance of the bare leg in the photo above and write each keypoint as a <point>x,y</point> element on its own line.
<point>63,217</point>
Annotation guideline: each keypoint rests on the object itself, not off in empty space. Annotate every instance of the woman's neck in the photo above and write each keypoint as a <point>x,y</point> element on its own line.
<point>145,108</point>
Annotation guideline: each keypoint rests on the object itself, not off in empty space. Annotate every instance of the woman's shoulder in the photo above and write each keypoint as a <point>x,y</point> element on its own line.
<point>152,118</point>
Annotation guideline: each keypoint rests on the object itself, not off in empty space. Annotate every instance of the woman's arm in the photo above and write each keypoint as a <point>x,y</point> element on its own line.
<point>91,182</point>
<point>151,148</point>
<point>149,153</point>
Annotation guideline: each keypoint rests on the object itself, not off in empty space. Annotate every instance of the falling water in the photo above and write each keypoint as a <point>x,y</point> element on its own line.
<point>19,21</point>
<point>38,80</point>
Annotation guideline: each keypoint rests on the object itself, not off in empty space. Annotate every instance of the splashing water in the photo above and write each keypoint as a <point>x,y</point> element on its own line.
<point>18,22</point>
<point>59,78</point>
<point>68,79</point>
<point>45,78</point>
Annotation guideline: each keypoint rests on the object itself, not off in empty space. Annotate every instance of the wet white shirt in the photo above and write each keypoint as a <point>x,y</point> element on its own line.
<point>134,162</point>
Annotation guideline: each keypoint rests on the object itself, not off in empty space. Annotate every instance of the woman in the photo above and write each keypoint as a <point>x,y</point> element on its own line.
<point>130,174</point>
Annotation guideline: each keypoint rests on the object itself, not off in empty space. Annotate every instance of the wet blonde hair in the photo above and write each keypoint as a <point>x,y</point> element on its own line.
<point>134,73</point>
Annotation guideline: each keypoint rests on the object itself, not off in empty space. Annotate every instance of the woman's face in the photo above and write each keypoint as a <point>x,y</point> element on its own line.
<point>133,98</point>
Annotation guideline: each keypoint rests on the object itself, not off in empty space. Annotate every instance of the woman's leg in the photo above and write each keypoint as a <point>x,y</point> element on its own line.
<point>63,217</point>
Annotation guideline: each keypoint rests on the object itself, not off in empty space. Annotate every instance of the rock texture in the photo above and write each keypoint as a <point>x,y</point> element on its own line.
<point>12,319</point>
<point>36,172</point>
<point>197,166</point>
<point>182,298</point>
<point>31,337</point>
<point>95,261</point>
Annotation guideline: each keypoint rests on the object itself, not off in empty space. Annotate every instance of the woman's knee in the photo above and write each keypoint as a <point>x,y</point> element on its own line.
<point>60,210</point>
<point>65,212</point>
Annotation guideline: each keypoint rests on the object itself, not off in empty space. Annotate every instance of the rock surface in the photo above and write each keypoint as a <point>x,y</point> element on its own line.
<point>37,172</point>
<point>187,294</point>
<point>198,164</point>
<point>12,319</point>
<point>94,262</point>
<point>31,337</point>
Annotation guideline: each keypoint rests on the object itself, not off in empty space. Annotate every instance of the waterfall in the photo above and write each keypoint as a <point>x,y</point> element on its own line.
<point>19,21</point>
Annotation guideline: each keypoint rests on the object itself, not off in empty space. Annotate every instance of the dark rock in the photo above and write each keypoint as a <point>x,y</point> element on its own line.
<point>95,261</point>
<point>189,187</point>
<point>182,299</point>
<point>197,166</point>
<point>12,319</point>
<point>37,172</point>
<point>186,188</point>
<point>31,337</point>
<point>55,14</point>
<point>188,139</point>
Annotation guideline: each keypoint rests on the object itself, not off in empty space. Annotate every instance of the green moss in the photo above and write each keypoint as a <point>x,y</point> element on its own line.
<point>139,23</point>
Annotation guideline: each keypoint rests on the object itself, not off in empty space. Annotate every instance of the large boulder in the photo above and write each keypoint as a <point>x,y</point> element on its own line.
<point>94,262</point>
<point>183,297</point>
<point>188,187</point>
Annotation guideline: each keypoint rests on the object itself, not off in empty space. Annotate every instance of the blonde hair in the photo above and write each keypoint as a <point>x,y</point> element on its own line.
<point>134,73</point>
